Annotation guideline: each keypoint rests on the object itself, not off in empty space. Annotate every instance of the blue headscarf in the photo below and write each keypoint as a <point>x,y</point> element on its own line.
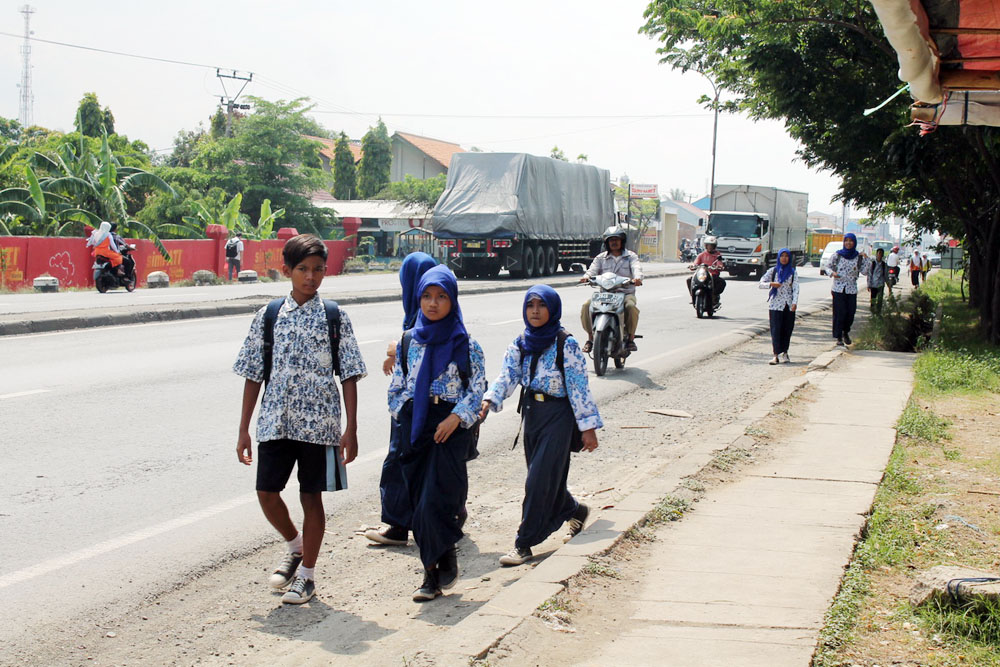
<point>853,252</point>
<point>537,339</point>
<point>445,341</point>
<point>782,271</point>
<point>414,267</point>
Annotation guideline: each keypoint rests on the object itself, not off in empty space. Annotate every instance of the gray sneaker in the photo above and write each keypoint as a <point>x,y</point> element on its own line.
<point>283,574</point>
<point>516,556</point>
<point>300,591</point>
<point>785,359</point>
<point>577,522</point>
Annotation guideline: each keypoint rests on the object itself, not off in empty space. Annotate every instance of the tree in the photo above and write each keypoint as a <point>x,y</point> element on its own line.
<point>90,120</point>
<point>581,158</point>
<point>415,190</point>
<point>376,161</point>
<point>345,173</point>
<point>678,194</point>
<point>39,210</point>
<point>185,147</point>
<point>816,67</point>
<point>557,154</point>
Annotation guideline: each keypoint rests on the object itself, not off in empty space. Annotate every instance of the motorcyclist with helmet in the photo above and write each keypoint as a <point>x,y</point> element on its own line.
<point>616,259</point>
<point>128,262</point>
<point>712,258</point>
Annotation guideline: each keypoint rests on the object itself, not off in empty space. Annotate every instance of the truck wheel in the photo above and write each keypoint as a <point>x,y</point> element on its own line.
<point>529,262</point>
<point>540,261</point>
<point>550,261</point>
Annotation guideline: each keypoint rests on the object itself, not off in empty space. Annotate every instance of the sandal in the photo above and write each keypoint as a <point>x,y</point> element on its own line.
<point>588,346</point>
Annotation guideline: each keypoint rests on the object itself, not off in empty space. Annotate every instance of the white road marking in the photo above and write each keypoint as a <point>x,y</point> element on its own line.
<point>671,297</point>
<point>496,324</point>
<point>29,392</point>
<point>366,342</point>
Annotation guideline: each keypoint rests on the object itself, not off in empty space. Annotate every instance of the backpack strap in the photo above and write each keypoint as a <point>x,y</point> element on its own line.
<point>464,364</point>
<point>333,325</point>
<point>404,349</point>
<point>270,317</point>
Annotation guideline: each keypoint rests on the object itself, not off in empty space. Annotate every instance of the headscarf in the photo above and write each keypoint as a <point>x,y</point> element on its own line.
<point>853,252</point>
<point>98,235</point>
<point>445,341</point>
<point>537,339</point>
<point>782,271</point>
<point>414,267</point>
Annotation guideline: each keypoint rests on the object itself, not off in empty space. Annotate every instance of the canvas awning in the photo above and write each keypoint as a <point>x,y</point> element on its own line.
<point>379,214</point>
<point>949,54</point>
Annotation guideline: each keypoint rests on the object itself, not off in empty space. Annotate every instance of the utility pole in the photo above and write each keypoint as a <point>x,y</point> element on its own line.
<point>230,102</point>
<point>27,97</point>
<point>715,136</point>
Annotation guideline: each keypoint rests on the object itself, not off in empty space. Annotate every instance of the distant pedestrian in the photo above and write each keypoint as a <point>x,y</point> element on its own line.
<point>782,301</point>
<point>892,264</point>
<point>845,266</point>
<point>916,267</point>
<point>877,275</point>
<point>559,415</point>
<point>396,510</point>
<point>925,266</point>
<point>436,403</point>
<point>234,254</point>
<point>292,349</point>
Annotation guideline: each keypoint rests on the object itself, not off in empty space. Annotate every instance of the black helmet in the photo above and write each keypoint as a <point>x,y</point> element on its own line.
<point>613,231</point>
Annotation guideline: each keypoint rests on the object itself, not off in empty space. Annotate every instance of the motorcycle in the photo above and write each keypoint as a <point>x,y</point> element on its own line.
<point>893,277</point>
<point>106,277</point>
<point>703,292</point>
<point>689,254</point>
<point>607,313</point>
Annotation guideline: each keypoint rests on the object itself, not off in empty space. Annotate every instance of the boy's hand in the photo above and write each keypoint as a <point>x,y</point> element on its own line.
<point>484,411</point>
<point>244,448</point>
<point>446,428</point>
<point>349,445</point>
<point>387,365</point>
<point>589,438</point>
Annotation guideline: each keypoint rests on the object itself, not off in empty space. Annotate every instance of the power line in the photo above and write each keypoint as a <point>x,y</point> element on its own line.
<point>526,116</point>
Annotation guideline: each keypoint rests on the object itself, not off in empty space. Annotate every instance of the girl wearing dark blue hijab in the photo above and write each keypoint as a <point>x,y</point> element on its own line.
<point>558,410</point>
<point>396,510</point>
<point>782,301</point>
<point>845,266</point>
<point>434,394</point>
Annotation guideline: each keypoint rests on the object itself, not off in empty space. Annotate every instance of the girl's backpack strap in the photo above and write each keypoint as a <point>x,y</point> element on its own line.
<point>464,365</point>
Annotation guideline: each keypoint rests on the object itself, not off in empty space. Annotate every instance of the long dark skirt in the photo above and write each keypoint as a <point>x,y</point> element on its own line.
<point>782,324</point>
<point>844,307</point>
<point>548,429</point>
<point>396,508</point>
<point>436,481</point>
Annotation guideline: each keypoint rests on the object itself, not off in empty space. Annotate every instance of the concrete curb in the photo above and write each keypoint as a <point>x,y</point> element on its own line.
<point>484,629</point>
<point>173,312</point>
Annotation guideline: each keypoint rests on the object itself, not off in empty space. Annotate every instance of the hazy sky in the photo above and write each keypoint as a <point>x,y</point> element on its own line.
<point>512,76</point>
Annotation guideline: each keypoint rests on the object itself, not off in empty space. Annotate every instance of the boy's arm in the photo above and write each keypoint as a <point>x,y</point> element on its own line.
<point>349,438</point>
<point>244,447</point>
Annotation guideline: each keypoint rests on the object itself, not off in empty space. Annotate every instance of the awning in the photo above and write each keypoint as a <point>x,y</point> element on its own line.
<point>949,54</point>
<point>380,215</point>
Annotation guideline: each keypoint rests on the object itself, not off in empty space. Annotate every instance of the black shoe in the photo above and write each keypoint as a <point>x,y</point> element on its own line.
<point>429,589</point>
<point>840,342</point>
<point>392,536</point>
<point>577,521</point>
<point>447,569</point>
<point>630,346</point>
<point>847,339</point>
<point>516,556</point>
<point>300,591</point>
<point>283,574</point>
<point>463,516</point>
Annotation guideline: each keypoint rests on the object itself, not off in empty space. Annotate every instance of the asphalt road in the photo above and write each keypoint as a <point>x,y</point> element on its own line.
<point>119,464</point>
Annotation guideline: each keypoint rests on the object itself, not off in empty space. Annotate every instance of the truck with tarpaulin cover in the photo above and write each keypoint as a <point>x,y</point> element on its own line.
<point>752,223</point>
<point>529,215</point>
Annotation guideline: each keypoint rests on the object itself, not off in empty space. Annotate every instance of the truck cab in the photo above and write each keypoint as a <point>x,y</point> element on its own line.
<point>743,236</point>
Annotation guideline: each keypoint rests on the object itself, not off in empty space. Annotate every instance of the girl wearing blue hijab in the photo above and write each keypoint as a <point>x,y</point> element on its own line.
<point>782,301</point>
<point>557,408</point>
<point>845,266</point>
<point>396,509</point>
<point>434,394</point>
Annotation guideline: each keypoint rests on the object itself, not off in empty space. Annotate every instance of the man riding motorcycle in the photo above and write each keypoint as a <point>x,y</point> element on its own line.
<point>128,263</point>
<point>712,258</point>
<point>620,261</point>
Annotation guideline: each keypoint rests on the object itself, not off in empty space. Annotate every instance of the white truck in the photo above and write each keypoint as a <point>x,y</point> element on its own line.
<point>752,223</point>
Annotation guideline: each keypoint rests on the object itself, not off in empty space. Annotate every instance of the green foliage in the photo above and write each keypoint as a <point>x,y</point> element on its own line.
<point>90,120</point>
<point>943,370</point>
<point>229,216</point>
<point>557,154</point>
<point>922,424</point>
<point>412,190</point>
<point>976,620</point>
<point>345,173</point>
<point>376,161</point>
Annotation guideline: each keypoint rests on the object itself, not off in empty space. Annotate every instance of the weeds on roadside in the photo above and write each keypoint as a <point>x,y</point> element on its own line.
<point>599,569</point>
<point>922,424</point>
<point>727,459</point>
<point>976,620</point>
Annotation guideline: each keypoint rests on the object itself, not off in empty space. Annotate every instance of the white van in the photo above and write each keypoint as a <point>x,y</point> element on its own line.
<point>831,247</point>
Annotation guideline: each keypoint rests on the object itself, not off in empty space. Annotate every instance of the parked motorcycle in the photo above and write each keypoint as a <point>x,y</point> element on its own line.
<point>607,314</point>
<point>703,292</point>
<point>106,277</point>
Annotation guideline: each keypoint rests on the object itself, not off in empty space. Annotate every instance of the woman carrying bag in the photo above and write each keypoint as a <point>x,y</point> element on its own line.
<point>782,300</point>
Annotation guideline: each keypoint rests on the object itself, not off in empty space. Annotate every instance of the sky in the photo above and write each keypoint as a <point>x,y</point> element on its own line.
<point>516,76</point>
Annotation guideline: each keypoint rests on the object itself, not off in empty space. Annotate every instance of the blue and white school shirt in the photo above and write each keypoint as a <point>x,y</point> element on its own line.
<point>301,401</point>
<point>787,294</point>
<point>447,386</point>
<point>548,380</point>
<point>847,271</point>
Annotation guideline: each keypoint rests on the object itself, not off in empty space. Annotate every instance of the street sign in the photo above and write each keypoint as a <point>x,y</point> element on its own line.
<point>637,191</point>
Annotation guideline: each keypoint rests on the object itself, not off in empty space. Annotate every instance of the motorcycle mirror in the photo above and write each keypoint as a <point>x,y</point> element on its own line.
<point>577,267</point>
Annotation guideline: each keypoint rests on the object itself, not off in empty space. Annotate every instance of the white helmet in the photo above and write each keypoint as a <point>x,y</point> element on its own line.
<point>710,240</point>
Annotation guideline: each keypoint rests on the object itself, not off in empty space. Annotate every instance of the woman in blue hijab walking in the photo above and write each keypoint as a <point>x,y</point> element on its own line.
<point>845,266</point>
<point>559,415</point>
<point>782,300</point>
<point>396,509</point>
<point>434,394</point>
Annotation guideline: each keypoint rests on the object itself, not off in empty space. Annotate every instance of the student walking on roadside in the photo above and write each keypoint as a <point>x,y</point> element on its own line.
<point>916,266</point>
<point>845,266</point>
<point>559,416</point>
<point>782,300</point>
<point>234,254</point>
<point>396,509</point>
<point>295,349</point>
<point>877,275</point>
<point>435,397</point>
<point>925,266</point>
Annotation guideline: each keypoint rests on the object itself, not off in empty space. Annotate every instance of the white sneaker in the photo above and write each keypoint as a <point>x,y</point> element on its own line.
<point>774,361</point>
<point>785,359</point>
<point>285,572</point>
<point>300,591</point>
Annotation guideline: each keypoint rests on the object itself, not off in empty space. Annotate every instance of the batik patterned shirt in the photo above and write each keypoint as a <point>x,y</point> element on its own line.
<point>301,401</point>
<point>848,271</point>
<point>548,380</point>
<point>448,385</point>
<point>787,294</point>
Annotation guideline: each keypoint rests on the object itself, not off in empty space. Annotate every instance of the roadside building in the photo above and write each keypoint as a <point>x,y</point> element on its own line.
<point>396,228</point>
<point>420,157</point>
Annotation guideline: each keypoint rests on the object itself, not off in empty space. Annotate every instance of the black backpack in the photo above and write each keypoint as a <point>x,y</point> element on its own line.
<point>271,316</point>
<point>232,248</point>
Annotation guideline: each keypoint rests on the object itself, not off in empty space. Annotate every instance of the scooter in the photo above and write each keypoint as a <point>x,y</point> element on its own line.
<point>607,313</point>
<point>703,292</point>
<point>106,277</point>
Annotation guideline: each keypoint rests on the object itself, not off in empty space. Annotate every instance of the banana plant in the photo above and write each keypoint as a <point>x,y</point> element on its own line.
<point>39,211</point>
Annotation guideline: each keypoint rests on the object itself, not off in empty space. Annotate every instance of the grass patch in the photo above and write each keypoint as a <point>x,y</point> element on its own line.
<point>902,326</point>
<point>922,424</point>
<point>599,569</point>
<point>728,458</point>
<point>556,603</point>
<point>669,509</point>
<point>976,621</point>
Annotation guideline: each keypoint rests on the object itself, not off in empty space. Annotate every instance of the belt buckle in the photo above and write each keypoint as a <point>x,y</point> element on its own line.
<point>435,399</point>
<point>539,397</point>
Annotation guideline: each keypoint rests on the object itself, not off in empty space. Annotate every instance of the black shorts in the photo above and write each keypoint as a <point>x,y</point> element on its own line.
<point>320,467</point>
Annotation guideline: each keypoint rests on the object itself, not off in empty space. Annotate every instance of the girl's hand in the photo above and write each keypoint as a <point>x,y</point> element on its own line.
<point>389,362</point>
<point>775,284</point>
<point>589,438</point>
<point>484,411</point>
<point>446,428</point>
<point>793,307</point>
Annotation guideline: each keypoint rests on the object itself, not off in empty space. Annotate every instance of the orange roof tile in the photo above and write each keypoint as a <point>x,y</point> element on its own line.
<point>329,145</point>
<point>439,151</point>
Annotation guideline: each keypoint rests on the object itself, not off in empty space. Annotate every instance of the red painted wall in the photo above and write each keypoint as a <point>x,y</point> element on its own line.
<point>24,258</point>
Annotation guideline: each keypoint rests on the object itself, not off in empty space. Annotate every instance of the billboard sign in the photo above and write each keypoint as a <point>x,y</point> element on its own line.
<point>638,191</point>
